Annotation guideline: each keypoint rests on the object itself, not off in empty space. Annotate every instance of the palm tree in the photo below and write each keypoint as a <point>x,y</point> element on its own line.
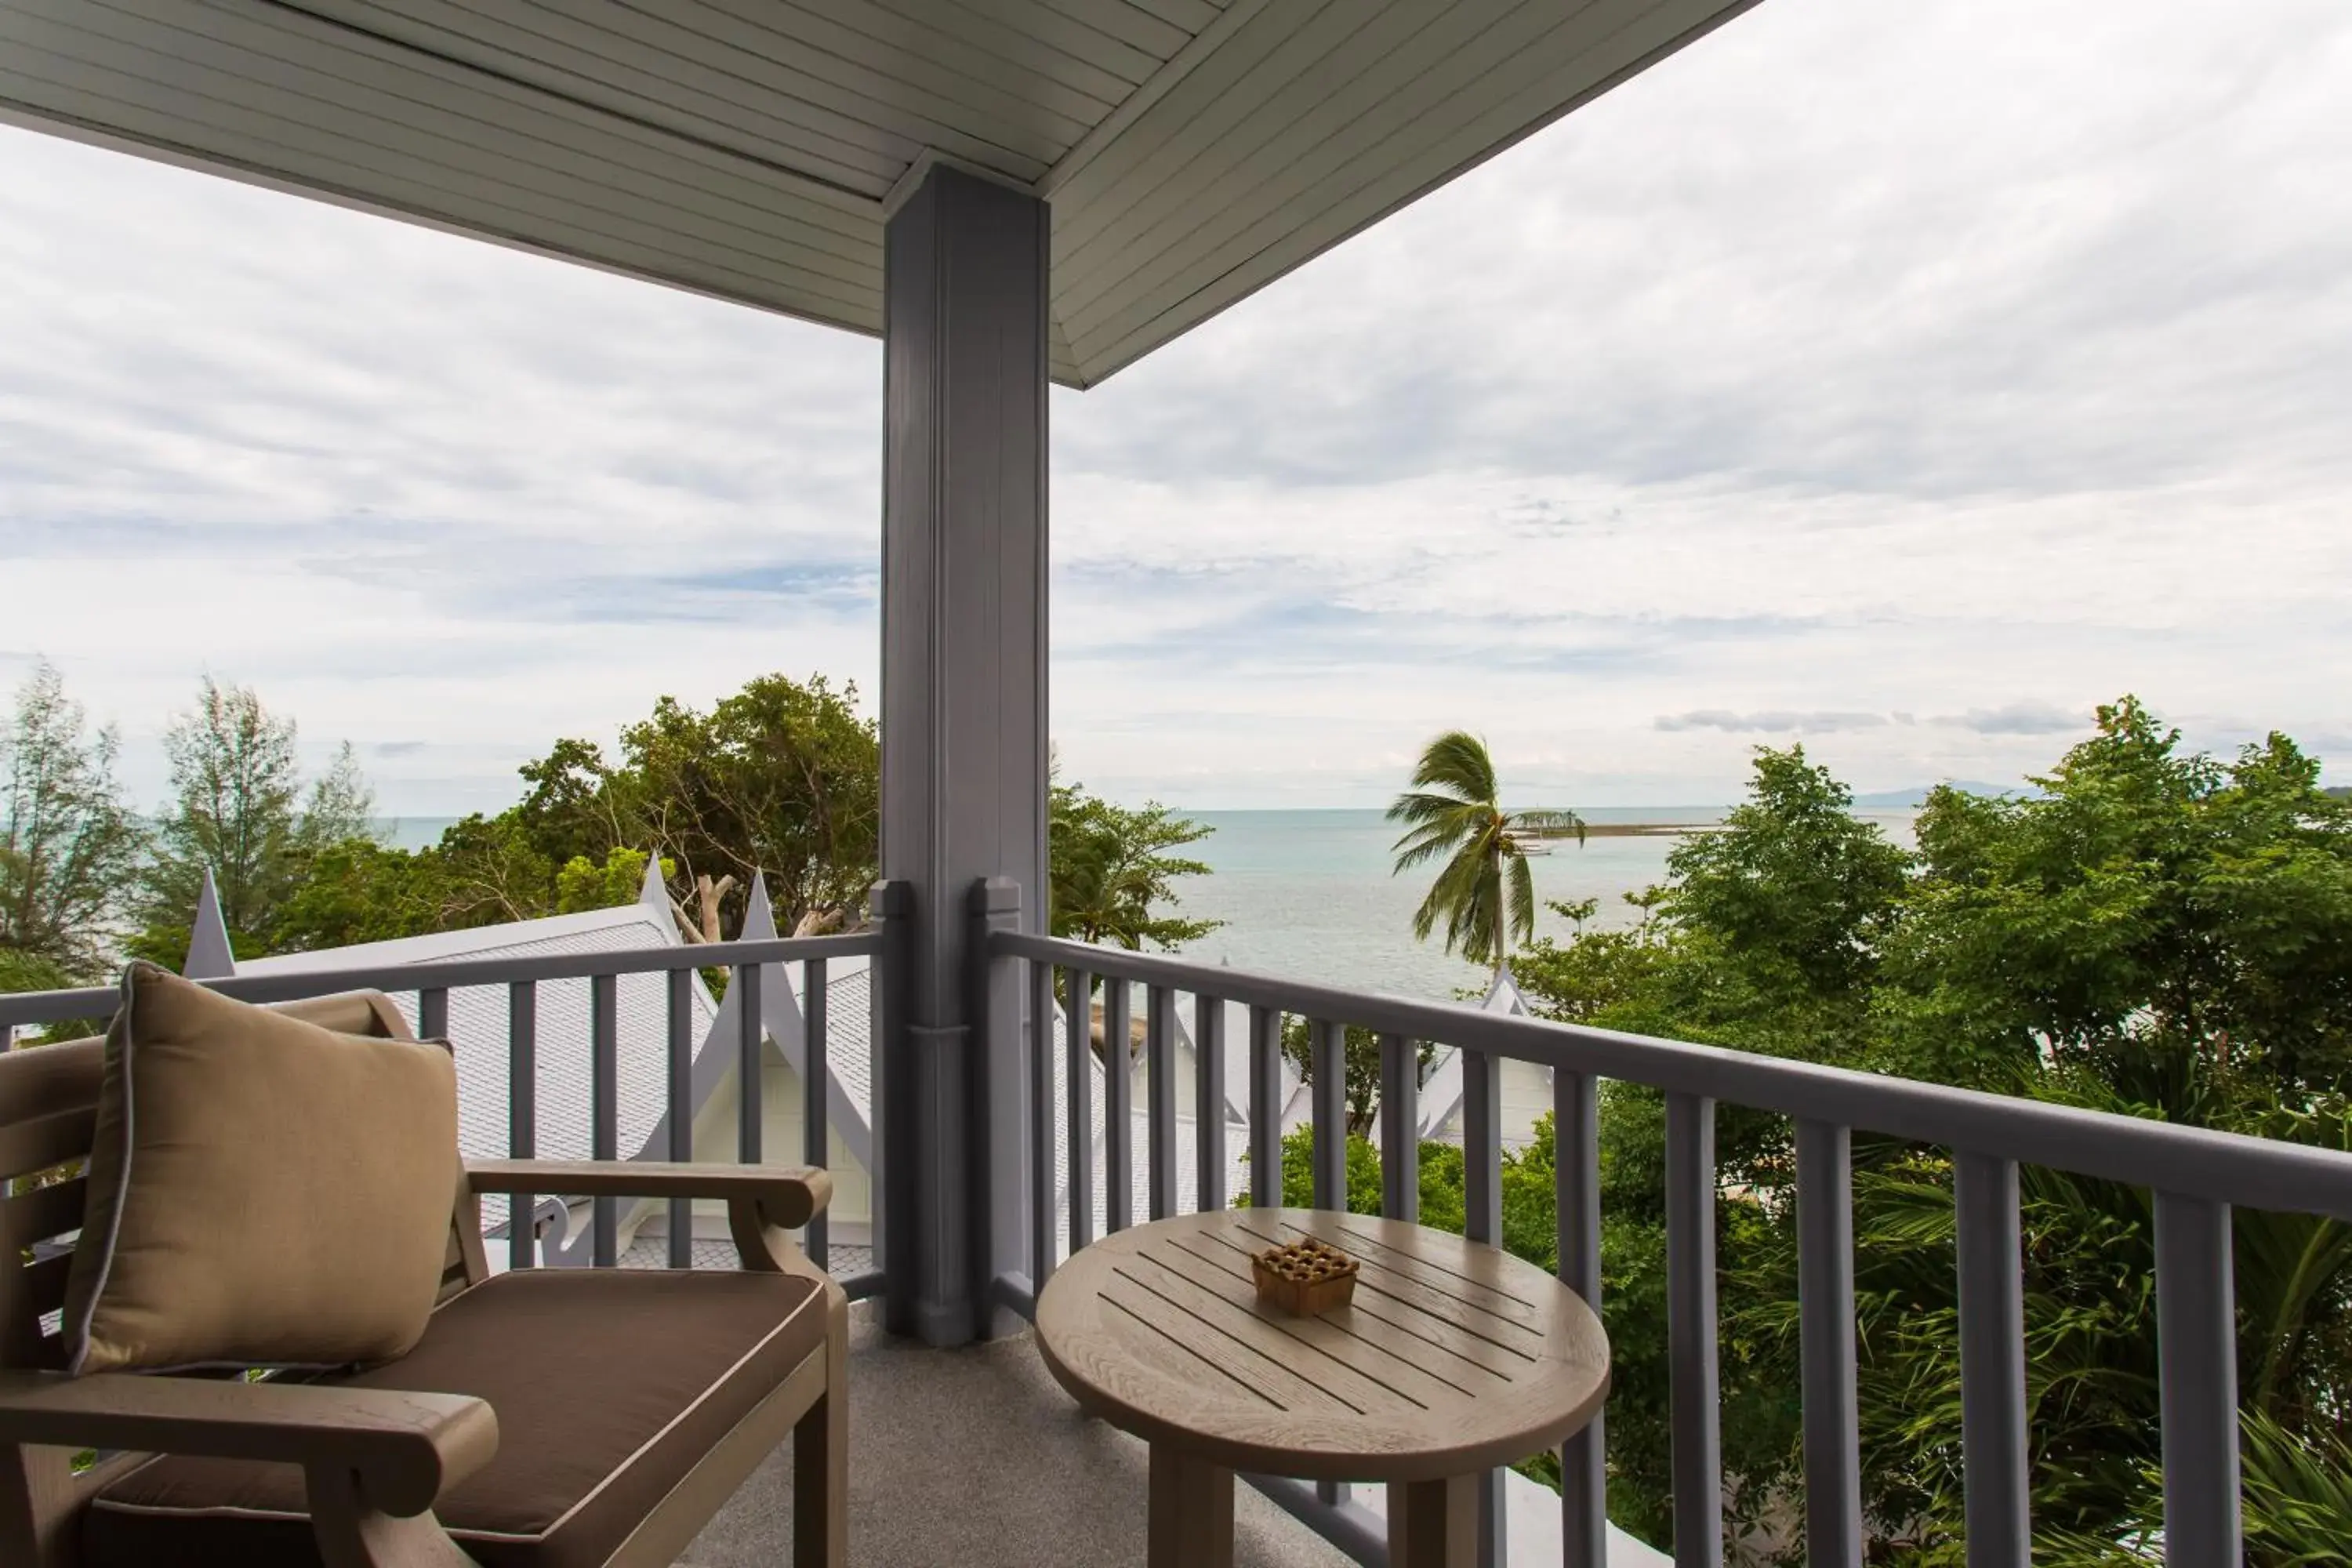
<point>1483,893</point>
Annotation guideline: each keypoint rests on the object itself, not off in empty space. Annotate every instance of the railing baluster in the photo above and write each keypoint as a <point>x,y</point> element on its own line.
<point>1481,1220</point>
<point>1119,1109</point>
<point>1265,1108</point>
<point>1400,1128</point>
<point>1576,1200</point>
<point>1997,1510</point>
<point>681,1109</point>
<point>2197,1349</point>
<point>1691,1333</point>
<point>433,1012</point>
<point>1209,1100</point>
<point>1825,1308</point>
<point>1041,1125</point>
<point>1327,1046</point>
<point>751,1076</point>
<point>604,1105</point>
<point>1078,1012</point>
<point>1326,1043</point>
<point>817,1100</point>
<point>522,1115</point>
<point>1482,1147</point>
<point>1160,1090</point>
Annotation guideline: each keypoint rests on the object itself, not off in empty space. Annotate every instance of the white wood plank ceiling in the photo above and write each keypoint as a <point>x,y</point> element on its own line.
<point>1192,150</point>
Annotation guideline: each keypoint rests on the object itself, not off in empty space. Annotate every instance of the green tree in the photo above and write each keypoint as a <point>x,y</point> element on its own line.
<point>2298,1496</point>
<point>586,884</point>
<point>1112,872</point>
<point>1483,894</point>
<point>2152,932</point>
<point>575,804</point>
<point>360,891</point>
<point>2146,899</point>
<point>781,778</point>
<point>240,810</point>
<point>1441,1178</point>
<point>1795,891</point>
<point>498,871</point>
<point>69,846</point>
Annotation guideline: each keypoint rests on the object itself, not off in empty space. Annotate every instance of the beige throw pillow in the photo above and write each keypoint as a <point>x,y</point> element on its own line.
<point>262,1192</point>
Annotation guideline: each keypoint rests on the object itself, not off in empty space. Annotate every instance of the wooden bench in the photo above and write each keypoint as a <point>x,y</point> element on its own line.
<point>550,1418</point>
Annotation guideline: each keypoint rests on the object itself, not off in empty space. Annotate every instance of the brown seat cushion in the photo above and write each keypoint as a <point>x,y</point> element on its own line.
<point>609,1387</point>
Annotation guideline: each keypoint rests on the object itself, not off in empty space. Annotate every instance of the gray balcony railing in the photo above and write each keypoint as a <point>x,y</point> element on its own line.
<point>748,965</point>
<point>2197,1176</point>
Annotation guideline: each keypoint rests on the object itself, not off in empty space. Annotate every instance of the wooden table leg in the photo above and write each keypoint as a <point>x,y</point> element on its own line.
<point>1191,1511</point>
<point>1434,1524</point>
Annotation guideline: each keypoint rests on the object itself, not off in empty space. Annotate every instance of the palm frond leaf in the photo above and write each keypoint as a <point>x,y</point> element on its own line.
<point>1439,833</point>
<point>1457,762</point>
<point>1523,898</point>
<point>1483,894</point>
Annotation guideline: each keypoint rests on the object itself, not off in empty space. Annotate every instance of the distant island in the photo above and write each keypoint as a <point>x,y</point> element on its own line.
<point>1629,830</point>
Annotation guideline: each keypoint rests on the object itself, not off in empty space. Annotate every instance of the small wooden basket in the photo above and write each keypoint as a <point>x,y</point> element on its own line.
<point>1305,1278</point>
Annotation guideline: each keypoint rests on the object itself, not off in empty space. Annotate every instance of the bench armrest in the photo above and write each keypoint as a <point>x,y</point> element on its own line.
<point>763,1202</point>
<point>404,1448</point>
<point>787,1196</point>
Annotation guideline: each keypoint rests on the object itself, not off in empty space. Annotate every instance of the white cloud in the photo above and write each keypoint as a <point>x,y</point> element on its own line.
<point>2019,719</point>
<point>1769,723</point>
<point>1906,379</point>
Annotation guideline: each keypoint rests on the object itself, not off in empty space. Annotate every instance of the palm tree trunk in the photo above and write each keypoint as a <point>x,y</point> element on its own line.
<point>1502,913</point>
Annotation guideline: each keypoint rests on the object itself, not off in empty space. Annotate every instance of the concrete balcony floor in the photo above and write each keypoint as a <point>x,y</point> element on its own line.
<point>974,1458</point>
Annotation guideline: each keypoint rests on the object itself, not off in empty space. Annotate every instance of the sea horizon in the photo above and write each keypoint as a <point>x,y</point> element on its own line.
<point>1309,893</point>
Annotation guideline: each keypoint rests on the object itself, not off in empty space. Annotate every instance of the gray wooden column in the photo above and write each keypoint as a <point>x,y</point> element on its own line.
<point>963,710</point>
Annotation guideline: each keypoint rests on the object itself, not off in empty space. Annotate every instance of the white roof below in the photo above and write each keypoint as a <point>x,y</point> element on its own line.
<point>1234,1132</point>
<point>1194,151</point>
<point>1441,1088</point>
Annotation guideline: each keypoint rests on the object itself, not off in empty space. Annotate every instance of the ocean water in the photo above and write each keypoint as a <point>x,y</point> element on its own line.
<point>1309,894</point>
<point>413,832</point>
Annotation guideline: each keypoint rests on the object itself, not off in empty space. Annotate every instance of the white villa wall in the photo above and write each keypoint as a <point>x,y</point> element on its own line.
<point>1527,1096</point>
<point>849,1215</point>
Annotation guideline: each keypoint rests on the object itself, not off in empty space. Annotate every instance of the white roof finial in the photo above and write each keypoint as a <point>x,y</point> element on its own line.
<point>759,914</point>
<point>654,894</point>
<point>209,957</point>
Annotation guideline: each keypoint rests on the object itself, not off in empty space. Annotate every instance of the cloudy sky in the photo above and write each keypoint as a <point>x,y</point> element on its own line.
<point>1901,379</point>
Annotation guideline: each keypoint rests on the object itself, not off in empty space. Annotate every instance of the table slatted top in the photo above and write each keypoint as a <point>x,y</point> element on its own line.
<point>1452,1357</point>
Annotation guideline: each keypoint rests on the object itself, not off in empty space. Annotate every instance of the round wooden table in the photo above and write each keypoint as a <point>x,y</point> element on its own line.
<point>1452,1359</point>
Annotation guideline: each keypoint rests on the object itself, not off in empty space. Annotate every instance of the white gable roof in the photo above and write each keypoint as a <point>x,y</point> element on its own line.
<point>848,1045</point>
<point>1440,1092</point>
<point>1188,1172</point>
<point>1237,1066</point>
<point>1234,1133</point>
